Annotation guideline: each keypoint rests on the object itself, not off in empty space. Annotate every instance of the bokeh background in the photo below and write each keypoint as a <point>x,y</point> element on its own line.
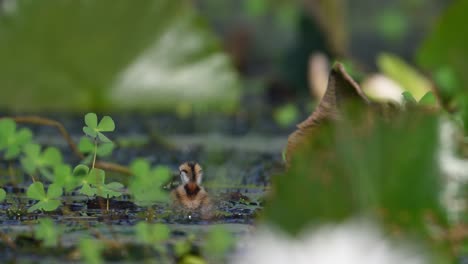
<point>193,56</point>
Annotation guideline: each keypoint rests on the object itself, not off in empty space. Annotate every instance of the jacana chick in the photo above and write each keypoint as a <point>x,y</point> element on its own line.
<point>190,194</point>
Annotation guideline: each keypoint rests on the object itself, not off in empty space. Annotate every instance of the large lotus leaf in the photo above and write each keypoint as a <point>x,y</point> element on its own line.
<point>79,55</point>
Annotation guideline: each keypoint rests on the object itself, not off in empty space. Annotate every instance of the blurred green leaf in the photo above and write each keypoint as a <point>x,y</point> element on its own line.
<point>404,74</point>
<point>36,191</point>
<point>2,194</point>
<point>90,250</point>
<point>147,185</point>
<point>48,232</point>
<point>256,7</point>
<point>11,140</point>
<point>286,115</point>
<point>140,167</point>
<point>35,160</point>
<point>218,242</point>
<point>428,100</point>
<point>91,120</point>
<point>408,98</point>
<point>77,55</point>
<point>80,170</point>
<point>47,202</point>
<point>152,233</point>
<point>64,177</point>
<point>106,124</point>
<point>384,169</point>
<point>392,24</point>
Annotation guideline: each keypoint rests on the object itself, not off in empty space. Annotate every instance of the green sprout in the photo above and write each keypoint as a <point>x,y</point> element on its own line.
<point>11,139</point>
<point>48,231</point>
<point>47,201</point>
<point>34,160</point>
<point>94,129</point>
<point>147,185</point>
<point>2,194</point>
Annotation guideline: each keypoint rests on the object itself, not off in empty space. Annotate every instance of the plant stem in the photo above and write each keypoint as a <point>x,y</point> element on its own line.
<point>11,172</point>
<point>95,153</point>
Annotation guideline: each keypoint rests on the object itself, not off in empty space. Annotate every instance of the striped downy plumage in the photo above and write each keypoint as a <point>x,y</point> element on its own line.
<point>190,195</point>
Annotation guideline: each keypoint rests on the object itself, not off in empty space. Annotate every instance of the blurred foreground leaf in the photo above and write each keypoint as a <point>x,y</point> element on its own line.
<point>81,55</point>
<point>404,74</point>
<point>381,169</point>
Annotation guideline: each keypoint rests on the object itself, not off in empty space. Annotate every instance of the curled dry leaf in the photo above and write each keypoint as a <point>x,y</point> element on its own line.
<point>341,88</point>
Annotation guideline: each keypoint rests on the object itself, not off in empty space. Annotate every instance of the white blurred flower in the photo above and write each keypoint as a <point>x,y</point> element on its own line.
<point>383,89</point>
<point>348,243</point>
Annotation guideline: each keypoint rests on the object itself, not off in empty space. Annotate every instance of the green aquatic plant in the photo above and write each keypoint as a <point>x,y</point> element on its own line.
<point>49,232</point>
<point>35,160</point>
<point>47,201</point>
<point>92,182</point>
<point>95,130</point>
<point>13,140</point>
<point>63,176</point>
<point>147,184</point>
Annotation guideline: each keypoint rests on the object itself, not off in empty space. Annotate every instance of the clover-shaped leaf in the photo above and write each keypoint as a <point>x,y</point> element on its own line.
<point>47,202</point>
<point>146,185</point>
<point>35,160</point>
<point>64,177</point>
<point>2,194</point>
<point>11,141</point>
<point>48,232</point>
<point>93,183</point>
<point>95,129</point>
<point>140,167</point>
